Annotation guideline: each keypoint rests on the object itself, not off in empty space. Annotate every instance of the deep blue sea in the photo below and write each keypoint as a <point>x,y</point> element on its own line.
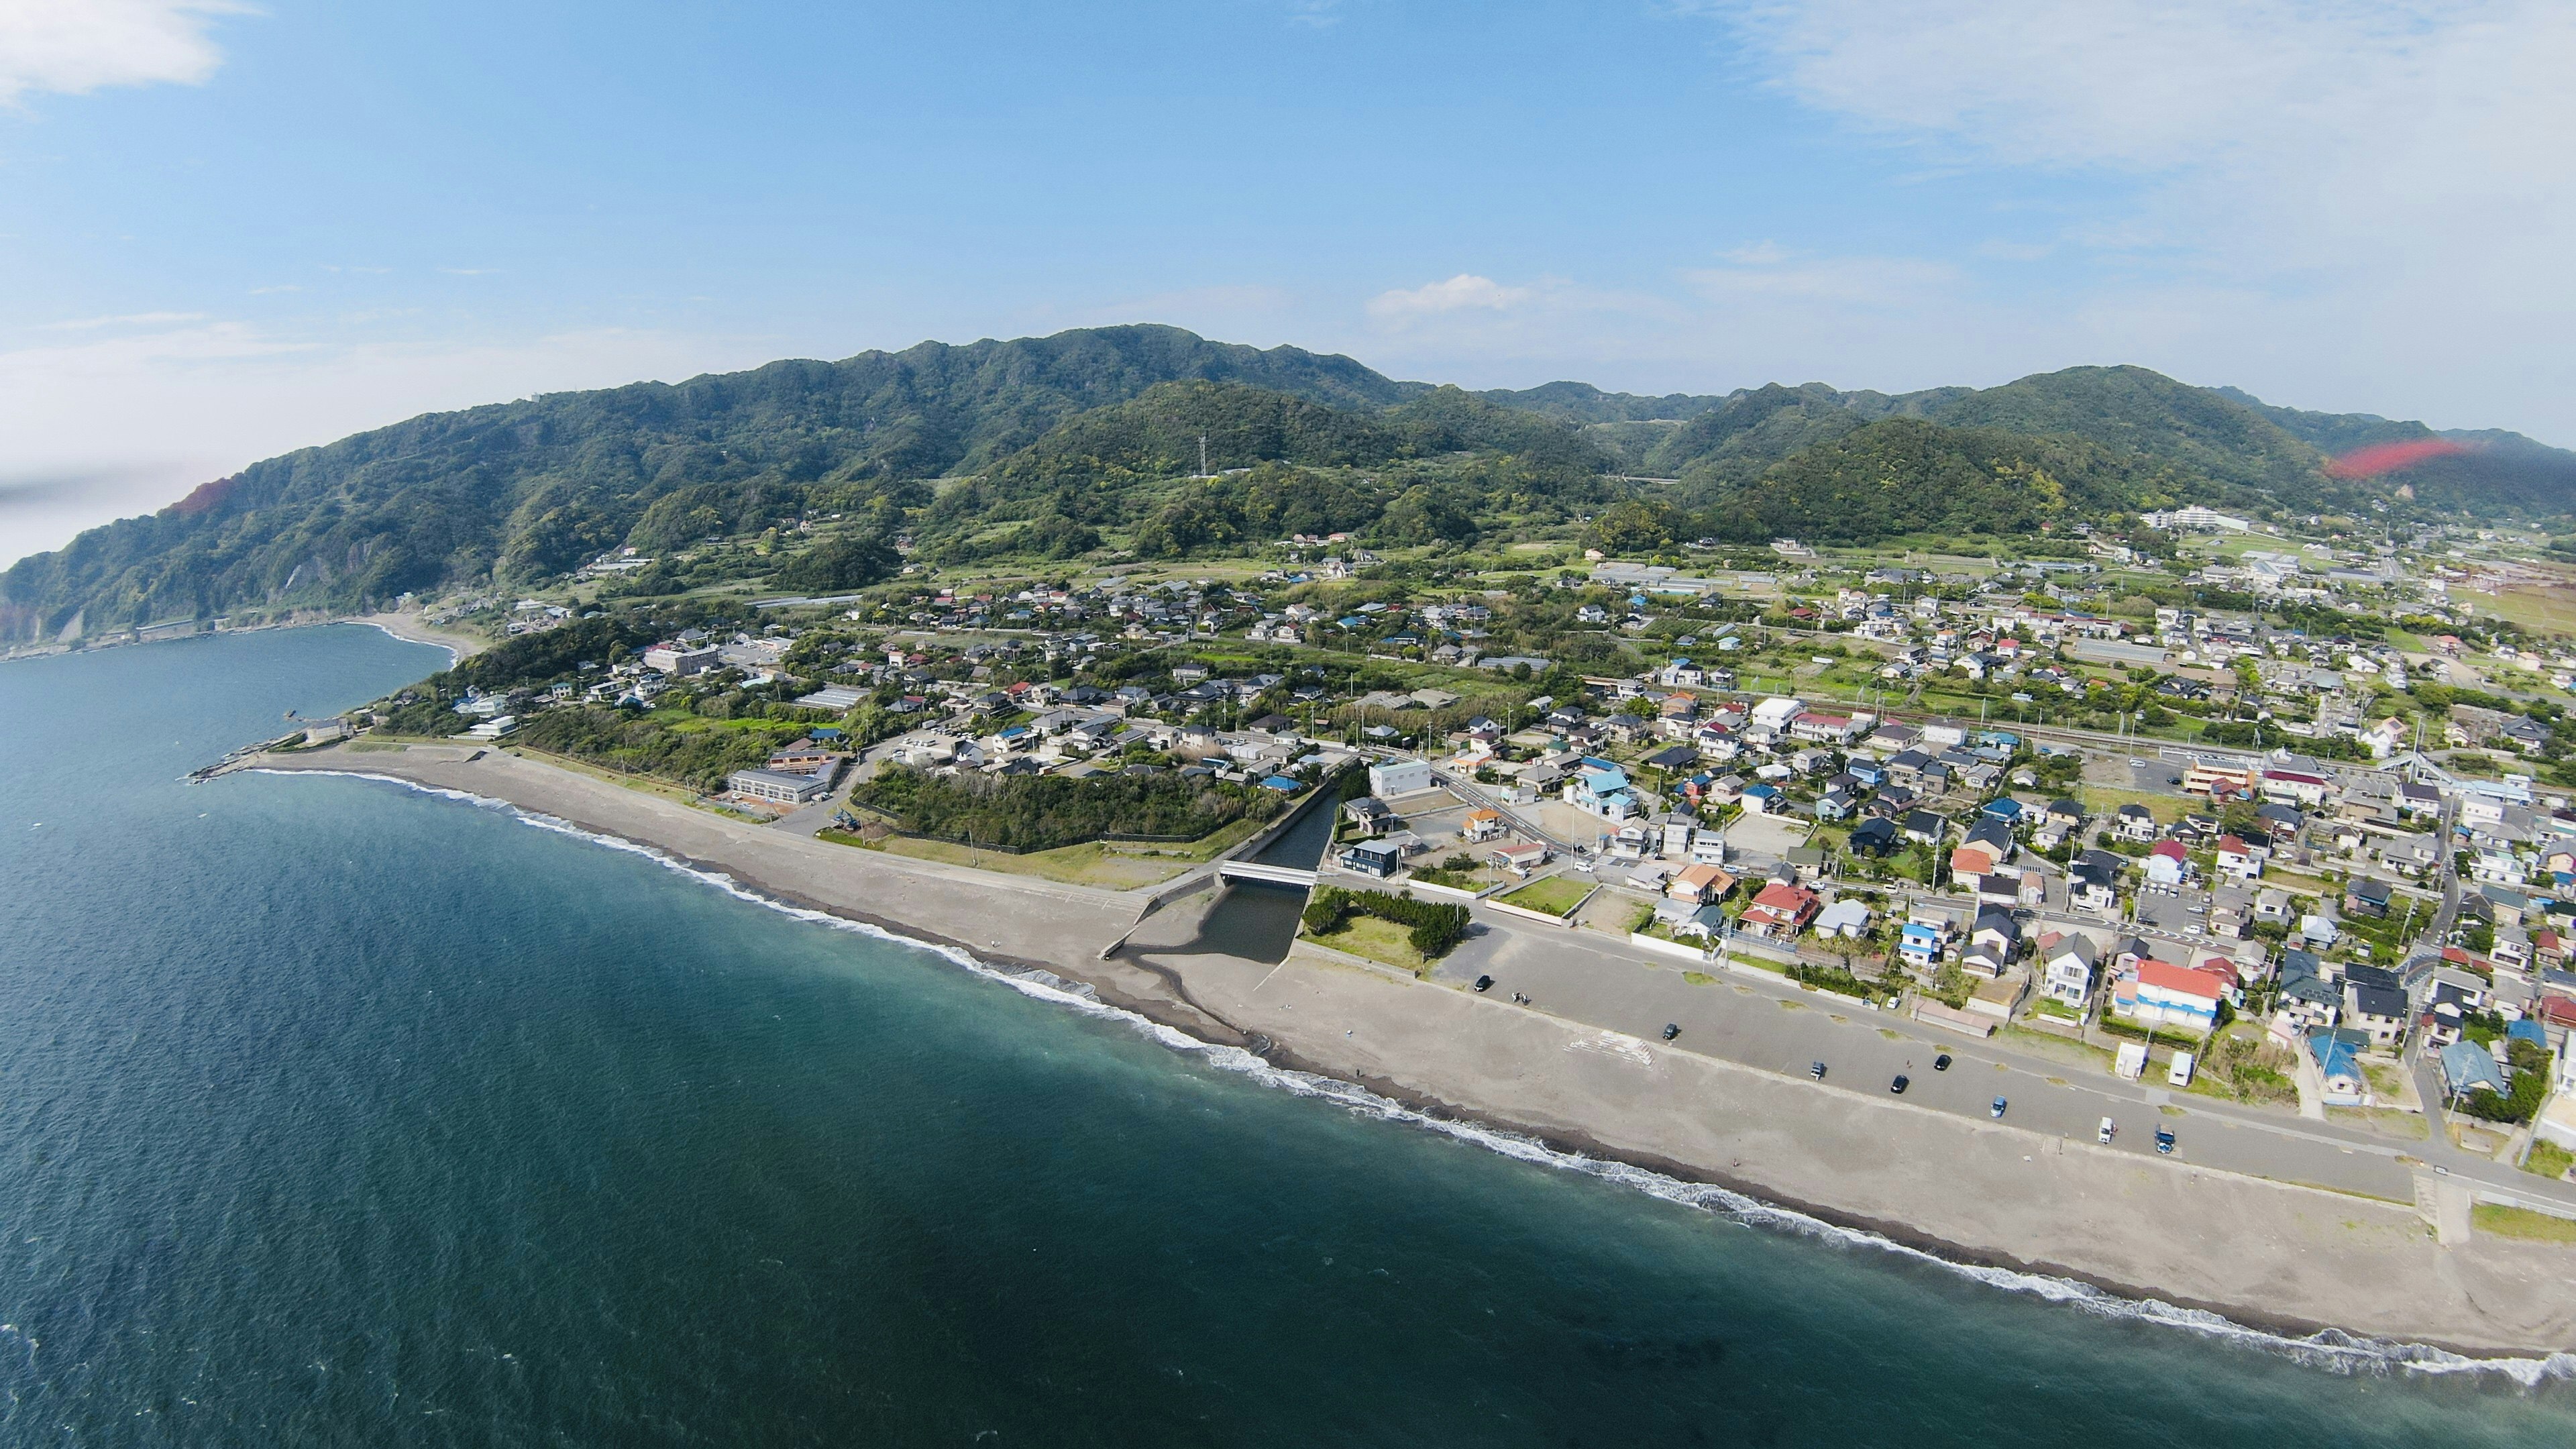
<point>336,1113</point>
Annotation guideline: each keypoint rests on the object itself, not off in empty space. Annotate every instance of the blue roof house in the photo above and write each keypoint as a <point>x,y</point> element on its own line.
<point>2468,1067</point>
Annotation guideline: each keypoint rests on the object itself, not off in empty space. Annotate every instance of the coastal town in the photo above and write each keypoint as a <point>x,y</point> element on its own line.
<point>2283,876</point>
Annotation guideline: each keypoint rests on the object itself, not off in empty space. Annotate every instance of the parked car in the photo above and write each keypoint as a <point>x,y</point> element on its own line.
<point>1484,983</point>
<point>1997,1110</point>
<point>2108,1130</point>
<point>1941,1063</point>
<point>1816,1070</point>
<point>2165,1141</point>
<point>1899,1085</point>
<point>1672,1029</point>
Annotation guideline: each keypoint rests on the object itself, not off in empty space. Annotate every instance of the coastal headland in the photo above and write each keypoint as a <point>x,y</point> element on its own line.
<point>2270,1255</point>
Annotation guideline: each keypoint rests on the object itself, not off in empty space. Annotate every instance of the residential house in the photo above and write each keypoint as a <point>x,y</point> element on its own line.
<point>1700,884</point>
<point>2304,998</point>
<point>1844,918</point>
<point>2093,882</point>
<point>2185,998</point>
<point>2468,1067</point>
<point>1928,935</point>
<point>1369,816</point>
<point>1780,912</point>
<point>2376,1011</point>
<point>2338,1058</point>
<point>2239,860</point>
<point>2166,864</point>
<point>1601,788</point>
<point>1380,858</point>
<point>1993,942</point>
<point>1875,837</point>
<point>2068,962</point>
<point>2364,896</point>
<point>2134,821</point>
<point>1520,857</point>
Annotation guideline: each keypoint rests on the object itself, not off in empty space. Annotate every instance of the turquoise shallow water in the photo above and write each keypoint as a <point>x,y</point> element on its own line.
<point>336,1113</point>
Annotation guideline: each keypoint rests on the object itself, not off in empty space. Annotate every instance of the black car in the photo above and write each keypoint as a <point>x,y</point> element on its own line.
<point>1816,1070</point>
<point>1484,983</point>
<point>1899,1085</point>
<point>1671,1030</point>
<point>1941,1063</point>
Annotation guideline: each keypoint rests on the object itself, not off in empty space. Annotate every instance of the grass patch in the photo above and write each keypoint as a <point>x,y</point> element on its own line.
<point>2386,1121</point>
<point>1791,1006</point>
<point>1699,978</point>
<point>1090,863</point>
<point>1556,895</point>
<point>1382,941</point>
<point>1891,1034</point>
<point>2103,801</point>
<point>2170,1110</point>
<point>2549,1160</point>
<point>2522,1223</point>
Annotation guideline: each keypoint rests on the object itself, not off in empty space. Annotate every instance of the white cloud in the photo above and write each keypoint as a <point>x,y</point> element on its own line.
<point>77,46</point>
<point>1459,293</point>
<point>2383,187</point>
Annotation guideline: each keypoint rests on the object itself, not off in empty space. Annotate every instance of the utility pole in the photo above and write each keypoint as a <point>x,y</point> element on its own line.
<point>1203,463</point>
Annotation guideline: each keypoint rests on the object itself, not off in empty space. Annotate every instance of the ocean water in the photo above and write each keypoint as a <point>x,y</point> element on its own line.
<point>333,1112</point>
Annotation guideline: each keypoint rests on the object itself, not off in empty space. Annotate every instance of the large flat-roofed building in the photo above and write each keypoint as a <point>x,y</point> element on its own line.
<point>680,660</point>
<point>779,787</point>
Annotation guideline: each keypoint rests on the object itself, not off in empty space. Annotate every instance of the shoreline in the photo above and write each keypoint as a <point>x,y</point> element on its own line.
<point>2275,1260</point>
<point>406,627</point>
<point>409,629</point>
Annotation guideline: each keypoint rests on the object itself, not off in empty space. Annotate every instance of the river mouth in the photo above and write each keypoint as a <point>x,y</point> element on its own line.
<point>1257,920</point>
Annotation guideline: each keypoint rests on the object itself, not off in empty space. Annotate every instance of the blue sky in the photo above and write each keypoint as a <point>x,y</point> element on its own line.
<point>229,230</point>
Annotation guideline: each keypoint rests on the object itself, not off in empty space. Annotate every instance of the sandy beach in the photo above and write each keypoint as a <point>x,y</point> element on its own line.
<point>457,643</point>
<point>2267,1254</point>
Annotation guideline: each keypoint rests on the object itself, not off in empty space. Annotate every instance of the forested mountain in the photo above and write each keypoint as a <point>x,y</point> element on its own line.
<point>1062,446</point>
<point>2489,469</point>
<point>531,488</point>
<point>1581,402</point>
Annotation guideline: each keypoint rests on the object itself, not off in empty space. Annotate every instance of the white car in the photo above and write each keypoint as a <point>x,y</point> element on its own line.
<point>2109,1129</point>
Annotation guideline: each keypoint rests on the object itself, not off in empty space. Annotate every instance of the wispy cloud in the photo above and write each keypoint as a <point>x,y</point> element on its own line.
<point>1460,293</point>
<point>270,291</point>
<point>131,319</point>
<point>2371,184</point>
<point>76,46</point>
<point>469,271</point>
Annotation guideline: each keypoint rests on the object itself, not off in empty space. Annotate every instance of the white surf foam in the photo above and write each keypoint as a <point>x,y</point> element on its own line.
<point>2331,1349</point>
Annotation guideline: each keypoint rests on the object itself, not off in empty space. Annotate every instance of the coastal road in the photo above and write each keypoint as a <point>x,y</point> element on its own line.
<point>1585,977</point>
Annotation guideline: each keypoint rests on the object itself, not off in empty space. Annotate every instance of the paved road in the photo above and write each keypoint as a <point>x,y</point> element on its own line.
<point>1587,977</point>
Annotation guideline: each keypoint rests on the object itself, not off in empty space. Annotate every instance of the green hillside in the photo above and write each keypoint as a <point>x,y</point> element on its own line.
<point>1085,444</point>
<point>2501,471</point>
<point>532,488</point>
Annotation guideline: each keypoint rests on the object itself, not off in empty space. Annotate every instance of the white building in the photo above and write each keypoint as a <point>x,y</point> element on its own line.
<point>1399,777</point>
